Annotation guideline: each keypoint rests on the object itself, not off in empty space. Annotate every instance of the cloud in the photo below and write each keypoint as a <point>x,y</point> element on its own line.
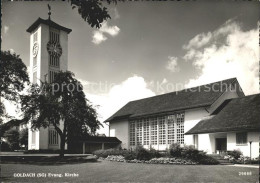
<point>172,64</point>
<point>6,29</point>
<point>116,14</point>
<point>199,41</point>
<point>98,35</point>
<point>228,52</point>
<point>203,39</point>
<point>111,30</point>
<point>133,88</point>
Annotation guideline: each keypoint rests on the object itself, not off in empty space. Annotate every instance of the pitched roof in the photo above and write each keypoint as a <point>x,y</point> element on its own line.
<point>49,23</point>
<point>237,114</point>
<point>101,139</point>
<point>200,96</point>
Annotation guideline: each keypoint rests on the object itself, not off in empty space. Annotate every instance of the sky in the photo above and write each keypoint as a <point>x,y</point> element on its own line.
<point>147,48</point>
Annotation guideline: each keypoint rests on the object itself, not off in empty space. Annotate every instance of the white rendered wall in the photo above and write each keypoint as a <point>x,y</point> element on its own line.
<point>191,118</point>
<point>64,46</point>
<point>43,138</point>
<point>32,146</point>
<point>43,68</point>
<point>36,145</point>
<point>245,149</point>
<point>119,129</point>
<point>205,143</point>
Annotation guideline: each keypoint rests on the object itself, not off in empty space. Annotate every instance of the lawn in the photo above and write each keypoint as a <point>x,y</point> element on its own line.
<point>105,171</point>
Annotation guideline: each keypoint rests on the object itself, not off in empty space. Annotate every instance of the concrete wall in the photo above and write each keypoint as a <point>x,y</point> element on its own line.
<point>245,149</point>
<point>120,129</point>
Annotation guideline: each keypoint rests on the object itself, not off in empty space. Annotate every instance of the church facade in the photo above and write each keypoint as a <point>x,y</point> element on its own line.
<point>48,55</point>
<point>183,117</point>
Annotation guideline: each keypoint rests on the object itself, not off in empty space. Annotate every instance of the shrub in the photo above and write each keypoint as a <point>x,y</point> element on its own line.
<point>142,153</point>
<point>107,152</point>
<point>175,150</point>
<point>207,160</point>
<point>190,152</point>
<point>130,156</point>
<point>154,153</point>
<point>235,153</point>
<point>23,137</point>
<point>12,137</point>
<point>4,146</point>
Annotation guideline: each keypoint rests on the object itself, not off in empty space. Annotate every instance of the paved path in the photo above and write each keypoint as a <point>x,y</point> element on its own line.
<point>246,166</point>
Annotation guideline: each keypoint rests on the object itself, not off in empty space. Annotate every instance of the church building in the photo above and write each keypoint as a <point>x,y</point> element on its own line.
<point>48,55</point>
<point>215,118</point>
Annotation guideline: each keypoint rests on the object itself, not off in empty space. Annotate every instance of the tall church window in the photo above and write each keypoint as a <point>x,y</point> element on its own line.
<point>139,132</point>
<point>52,75</point>
<point>180,128</point>
<point>53,137</point>
<point>146,131</point>
<point>132,133</point>
<point>153,131</point>
<point>160,130</point>
<point>171,131</point>
<point>161,121</point>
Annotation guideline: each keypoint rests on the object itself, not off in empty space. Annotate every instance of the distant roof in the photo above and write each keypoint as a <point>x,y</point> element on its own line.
<point>200,96</point>
<point>47,22</point>
<point>237,114</point>
<point>100,139</point>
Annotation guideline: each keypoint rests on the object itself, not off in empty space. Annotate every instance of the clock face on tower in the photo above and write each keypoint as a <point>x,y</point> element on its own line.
<point>35,49</point>
<point>54,49</point>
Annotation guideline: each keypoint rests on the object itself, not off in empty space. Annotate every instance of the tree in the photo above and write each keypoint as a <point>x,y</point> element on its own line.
<point>23,137</point>
<point>14,75</point>
<point>92,11</point>
<point>12,137</point>
<point>61,104</point>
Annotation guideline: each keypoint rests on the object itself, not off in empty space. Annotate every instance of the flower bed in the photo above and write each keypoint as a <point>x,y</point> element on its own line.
<point>186,155</point>
<point>162,160</point>
<point>242,159</point>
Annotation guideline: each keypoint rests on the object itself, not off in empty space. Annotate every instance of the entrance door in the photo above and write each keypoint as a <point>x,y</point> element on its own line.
<point>221,145</point>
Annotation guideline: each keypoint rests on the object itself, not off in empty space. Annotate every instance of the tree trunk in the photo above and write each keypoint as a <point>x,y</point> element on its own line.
<point>62,145</point>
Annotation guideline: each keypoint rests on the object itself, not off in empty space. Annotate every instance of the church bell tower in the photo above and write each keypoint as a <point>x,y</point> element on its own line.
<point>48,55</point>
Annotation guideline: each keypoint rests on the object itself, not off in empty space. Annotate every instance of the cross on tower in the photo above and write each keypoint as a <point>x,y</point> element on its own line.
<point>49,12</point>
